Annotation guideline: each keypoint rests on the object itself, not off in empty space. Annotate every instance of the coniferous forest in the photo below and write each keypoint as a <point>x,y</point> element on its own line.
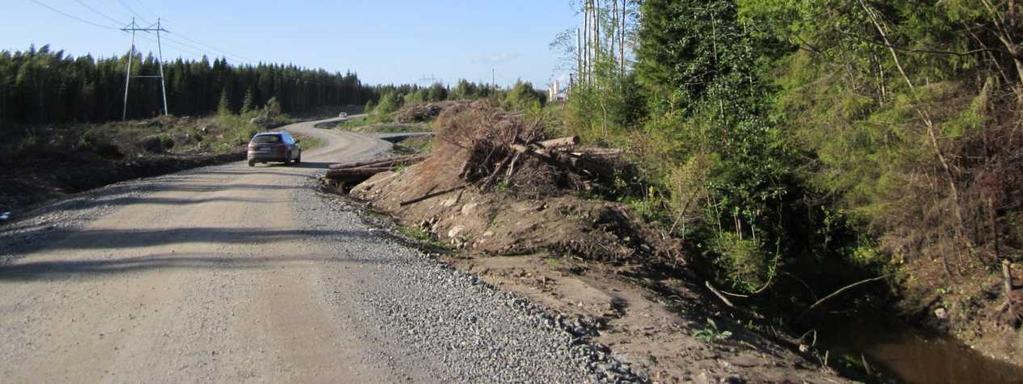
<point>44,86</point>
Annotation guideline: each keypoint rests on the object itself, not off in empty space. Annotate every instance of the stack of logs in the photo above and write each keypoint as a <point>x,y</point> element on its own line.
<point>561,153</point>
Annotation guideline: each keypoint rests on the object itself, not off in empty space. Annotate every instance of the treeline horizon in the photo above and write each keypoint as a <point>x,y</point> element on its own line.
<point>41,86</point>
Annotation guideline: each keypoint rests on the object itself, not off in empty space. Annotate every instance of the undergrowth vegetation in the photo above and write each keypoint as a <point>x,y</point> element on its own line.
<point>799,147</point>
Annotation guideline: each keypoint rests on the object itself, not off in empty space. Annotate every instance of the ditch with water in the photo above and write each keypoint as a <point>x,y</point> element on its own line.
<point>897,352</point>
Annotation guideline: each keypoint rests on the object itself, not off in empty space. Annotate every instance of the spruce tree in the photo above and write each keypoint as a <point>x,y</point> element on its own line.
<point>249,102</point>
<point>224,106</point>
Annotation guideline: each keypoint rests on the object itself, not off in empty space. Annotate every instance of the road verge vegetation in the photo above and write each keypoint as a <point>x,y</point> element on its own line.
<point>51,161</point>
<point>526,217</point>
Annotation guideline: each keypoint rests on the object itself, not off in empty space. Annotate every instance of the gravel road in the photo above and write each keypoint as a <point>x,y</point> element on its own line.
<point>238,274</point>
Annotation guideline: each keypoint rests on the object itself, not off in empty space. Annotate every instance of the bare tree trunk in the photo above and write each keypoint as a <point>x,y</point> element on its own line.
<point>585,40</point>
<point>579,53</point>
<point>993,219</point>
<point>613,32</point>
<point>1008,286</point>
<point>621,42</point>
<point>596,29</point>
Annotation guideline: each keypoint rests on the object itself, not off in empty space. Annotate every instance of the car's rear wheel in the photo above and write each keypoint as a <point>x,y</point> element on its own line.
<point>298,160</point>
<point>252,163</point>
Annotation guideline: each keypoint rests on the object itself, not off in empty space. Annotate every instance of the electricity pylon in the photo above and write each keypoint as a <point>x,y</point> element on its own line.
<point>133,28</point>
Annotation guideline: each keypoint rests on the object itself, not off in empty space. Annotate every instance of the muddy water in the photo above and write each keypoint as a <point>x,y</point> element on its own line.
<point>904,354</point>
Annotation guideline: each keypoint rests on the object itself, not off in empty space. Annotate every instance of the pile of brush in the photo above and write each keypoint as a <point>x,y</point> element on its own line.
<point>490,148</point>
<point>506,149</point>
<point>418,113</point>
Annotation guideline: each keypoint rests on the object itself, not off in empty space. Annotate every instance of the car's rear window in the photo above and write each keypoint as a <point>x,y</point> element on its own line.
<point>266,139</point>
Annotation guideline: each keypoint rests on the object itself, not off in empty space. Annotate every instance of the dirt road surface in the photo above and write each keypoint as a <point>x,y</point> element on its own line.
<point>238,274</point>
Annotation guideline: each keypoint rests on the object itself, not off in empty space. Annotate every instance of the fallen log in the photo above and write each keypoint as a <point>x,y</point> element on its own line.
<point>597,152</point>
<point>353,173</point>
<point>544,151</point>
<point>391,162</point>
<point>527,149</point>
<point>569,141</point>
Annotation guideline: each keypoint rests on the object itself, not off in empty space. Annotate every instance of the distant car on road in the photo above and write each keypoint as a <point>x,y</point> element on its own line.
<point>274,146</point>
<point>343,115</point>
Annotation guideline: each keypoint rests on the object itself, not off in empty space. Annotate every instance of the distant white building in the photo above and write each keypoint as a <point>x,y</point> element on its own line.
<point>555,93</point>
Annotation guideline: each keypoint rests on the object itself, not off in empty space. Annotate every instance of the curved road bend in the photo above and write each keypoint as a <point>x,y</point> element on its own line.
<point>238,274</point>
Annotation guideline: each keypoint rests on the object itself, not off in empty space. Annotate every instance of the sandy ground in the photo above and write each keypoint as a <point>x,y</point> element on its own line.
<point>661,337</point>
<point>241,274</point>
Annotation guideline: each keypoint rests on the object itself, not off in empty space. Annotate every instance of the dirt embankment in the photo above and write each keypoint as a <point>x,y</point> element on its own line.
<point>50,162</point>
<point>523,225</point>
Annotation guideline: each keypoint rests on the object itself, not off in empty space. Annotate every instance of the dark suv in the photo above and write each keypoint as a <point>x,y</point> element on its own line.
<point>274,146</point>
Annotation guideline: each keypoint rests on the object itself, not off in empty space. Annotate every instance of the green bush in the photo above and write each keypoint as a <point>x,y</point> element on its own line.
<point>745,265</point>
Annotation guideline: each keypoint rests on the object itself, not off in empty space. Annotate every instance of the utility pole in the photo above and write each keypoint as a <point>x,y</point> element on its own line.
<point>133,28</point>
<point>127,75</point>
<point>163,81</point>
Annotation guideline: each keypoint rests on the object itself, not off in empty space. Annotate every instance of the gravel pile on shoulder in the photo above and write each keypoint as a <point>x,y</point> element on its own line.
<point>452,327</point>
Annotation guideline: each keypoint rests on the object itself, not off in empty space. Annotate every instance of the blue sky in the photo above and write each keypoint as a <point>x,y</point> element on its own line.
<point>384,41</point>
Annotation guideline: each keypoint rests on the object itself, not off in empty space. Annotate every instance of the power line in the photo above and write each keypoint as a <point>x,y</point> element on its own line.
<point>125,5</point>
<point>95,11</point>
<point>183,47</point>
<point>203,47</point>
<point>222,54</point>
<point>179,49</point>
<point>144,8</point>
<point>68,15</point>
<point>180,46</point>
<point>215,49</point>
<point>193,47</point>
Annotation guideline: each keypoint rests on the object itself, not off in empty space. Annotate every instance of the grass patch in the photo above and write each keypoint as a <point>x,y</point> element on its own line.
<point>423,236</point>
<point>352,123</point>
<point>414,145</point>
<point>711,333</point>
<point>168,135</point>
<point>386,128</point>
<point>381,124</point>
<point>309,143</point>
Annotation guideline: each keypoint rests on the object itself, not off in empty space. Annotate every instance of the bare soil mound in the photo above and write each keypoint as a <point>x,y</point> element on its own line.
<point>481,191</point>
<point>497,186</point>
